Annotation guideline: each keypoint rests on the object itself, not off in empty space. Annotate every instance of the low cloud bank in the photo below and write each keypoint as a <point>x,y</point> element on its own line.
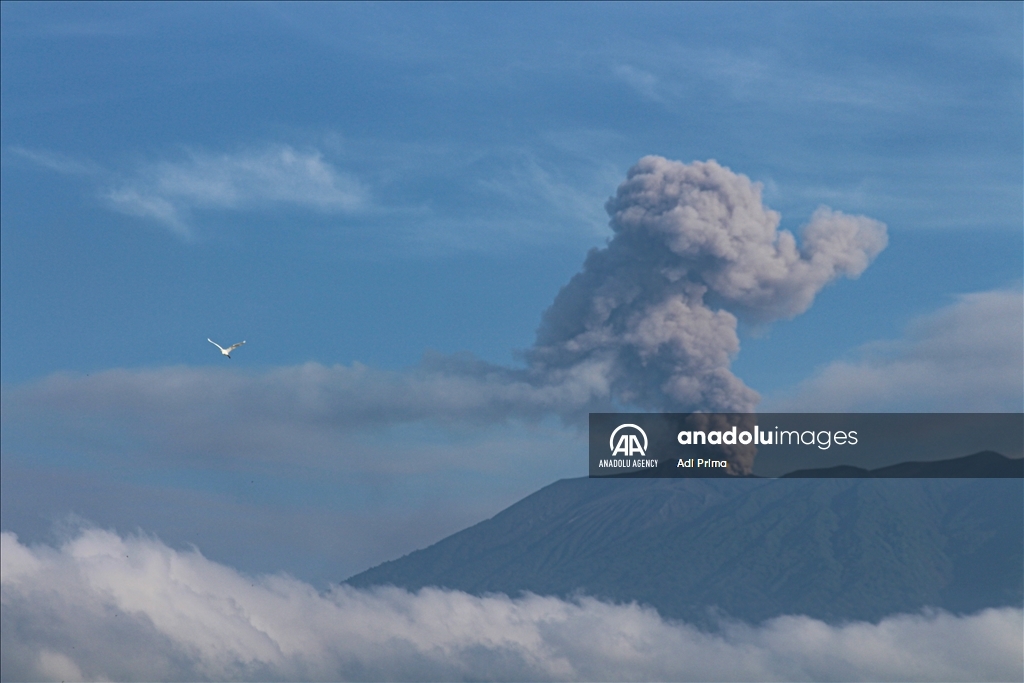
<point>294,413</point>
<point>106,606</point>
<point>968,356</point>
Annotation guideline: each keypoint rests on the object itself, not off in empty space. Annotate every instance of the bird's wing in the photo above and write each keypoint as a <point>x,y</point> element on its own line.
<point>215,343</point>
<point>235,346</point>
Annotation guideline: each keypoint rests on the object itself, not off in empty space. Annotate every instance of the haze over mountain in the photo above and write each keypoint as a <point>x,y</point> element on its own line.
<point>747,548</point>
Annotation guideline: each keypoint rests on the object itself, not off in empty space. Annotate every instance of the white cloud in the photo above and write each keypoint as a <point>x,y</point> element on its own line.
<point>643,82</point>
<point>105,606</point>
<point>169,191</point>
<point>134,202</point>
<point>298,413</point>
<point>966,357</point>
<point>766,76</point>
<point>59,163</point>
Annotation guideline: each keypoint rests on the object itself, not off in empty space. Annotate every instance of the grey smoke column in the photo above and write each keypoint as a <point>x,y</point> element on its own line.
<point>653,315</point>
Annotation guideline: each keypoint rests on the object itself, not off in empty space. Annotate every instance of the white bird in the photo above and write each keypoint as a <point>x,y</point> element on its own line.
<point>227,351</point>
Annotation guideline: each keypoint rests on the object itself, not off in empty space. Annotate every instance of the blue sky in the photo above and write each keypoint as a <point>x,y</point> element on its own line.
<point>384,199</point>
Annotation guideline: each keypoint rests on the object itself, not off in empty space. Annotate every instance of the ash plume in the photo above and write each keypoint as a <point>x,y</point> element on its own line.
<point>653,315</point>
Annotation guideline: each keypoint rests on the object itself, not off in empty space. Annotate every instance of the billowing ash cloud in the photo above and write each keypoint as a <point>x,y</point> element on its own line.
<point>654,313</point>
<point>103,606</point>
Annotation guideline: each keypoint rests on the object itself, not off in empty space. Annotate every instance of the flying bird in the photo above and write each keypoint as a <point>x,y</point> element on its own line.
<point>227,351</point>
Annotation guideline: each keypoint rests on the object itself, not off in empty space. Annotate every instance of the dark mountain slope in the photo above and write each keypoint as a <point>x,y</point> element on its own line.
<point>986,464</point>
<point>752,548</point>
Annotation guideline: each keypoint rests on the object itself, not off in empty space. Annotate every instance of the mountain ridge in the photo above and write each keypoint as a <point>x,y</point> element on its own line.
<point>749,548</point>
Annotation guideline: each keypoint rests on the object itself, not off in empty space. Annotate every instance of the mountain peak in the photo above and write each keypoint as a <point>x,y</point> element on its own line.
<point>750,548</point>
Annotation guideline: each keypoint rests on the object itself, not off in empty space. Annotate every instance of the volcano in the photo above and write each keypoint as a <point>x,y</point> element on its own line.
<point>702,549</point>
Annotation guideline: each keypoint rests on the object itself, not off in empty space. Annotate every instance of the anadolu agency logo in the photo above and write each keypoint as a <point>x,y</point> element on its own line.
<point>628,444</point>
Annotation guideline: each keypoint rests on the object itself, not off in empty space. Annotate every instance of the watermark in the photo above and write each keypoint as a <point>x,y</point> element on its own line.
<point>882,445</point>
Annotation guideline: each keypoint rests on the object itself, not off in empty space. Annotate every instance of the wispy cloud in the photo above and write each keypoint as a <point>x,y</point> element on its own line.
<point>419,198</point>
<point>525,180</point>
<point>643,82</point>
<point>170,191</point>
<point>968,356</point>
<point>59,163</point>
<point>106,606</point>
<point>468,197</point>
